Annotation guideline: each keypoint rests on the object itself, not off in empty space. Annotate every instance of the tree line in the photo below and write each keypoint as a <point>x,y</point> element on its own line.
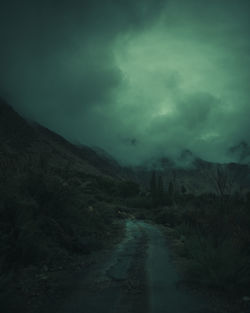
<point>161,195</point>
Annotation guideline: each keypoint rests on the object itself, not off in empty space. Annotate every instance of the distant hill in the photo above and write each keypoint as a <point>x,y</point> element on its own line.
<point>196,175</point>
<point>22,141</point>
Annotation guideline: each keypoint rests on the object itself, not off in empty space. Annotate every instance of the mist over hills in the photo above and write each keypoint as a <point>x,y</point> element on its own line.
<point>25,142</point>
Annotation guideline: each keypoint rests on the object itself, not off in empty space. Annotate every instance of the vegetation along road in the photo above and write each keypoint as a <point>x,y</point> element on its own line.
<point>137,276</point>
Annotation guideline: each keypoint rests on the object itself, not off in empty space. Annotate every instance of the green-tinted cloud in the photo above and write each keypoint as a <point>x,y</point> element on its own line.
<point>140,79</point>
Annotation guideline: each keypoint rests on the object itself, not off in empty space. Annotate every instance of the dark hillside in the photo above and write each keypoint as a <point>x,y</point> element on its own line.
<point>55,198</point>
<point>21,139</point>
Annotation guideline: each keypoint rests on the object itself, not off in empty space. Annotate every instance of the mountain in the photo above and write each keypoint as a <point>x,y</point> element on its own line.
<point>56,199</point>
<point>196,175</point>
<point>241,152</point>
<point>24,142</point>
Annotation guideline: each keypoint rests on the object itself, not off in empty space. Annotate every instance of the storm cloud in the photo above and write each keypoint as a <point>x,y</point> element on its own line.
<point>140,79</point>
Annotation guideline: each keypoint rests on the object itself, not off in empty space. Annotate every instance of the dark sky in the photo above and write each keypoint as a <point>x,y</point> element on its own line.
<point>139,79</point>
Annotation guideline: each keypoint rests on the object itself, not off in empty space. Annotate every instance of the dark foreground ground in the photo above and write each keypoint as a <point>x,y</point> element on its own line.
<point>135,276</point>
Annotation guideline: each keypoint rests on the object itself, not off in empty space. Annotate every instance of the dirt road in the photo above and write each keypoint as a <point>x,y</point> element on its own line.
<point>137,276</point>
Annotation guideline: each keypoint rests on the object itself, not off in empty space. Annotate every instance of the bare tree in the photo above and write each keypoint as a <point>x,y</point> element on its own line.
<point>222,180</point>
<point>219,177</point>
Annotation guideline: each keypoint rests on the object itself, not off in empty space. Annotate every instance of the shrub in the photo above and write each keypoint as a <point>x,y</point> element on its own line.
<point>170,216</point>
<point>224,266</point>
<point>128,189</point>
<point>43,215</point>
<point>139,202</point>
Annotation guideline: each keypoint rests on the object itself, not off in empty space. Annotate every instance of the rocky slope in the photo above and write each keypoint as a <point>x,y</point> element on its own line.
<point>56,199</point>
<point>24,142</point>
